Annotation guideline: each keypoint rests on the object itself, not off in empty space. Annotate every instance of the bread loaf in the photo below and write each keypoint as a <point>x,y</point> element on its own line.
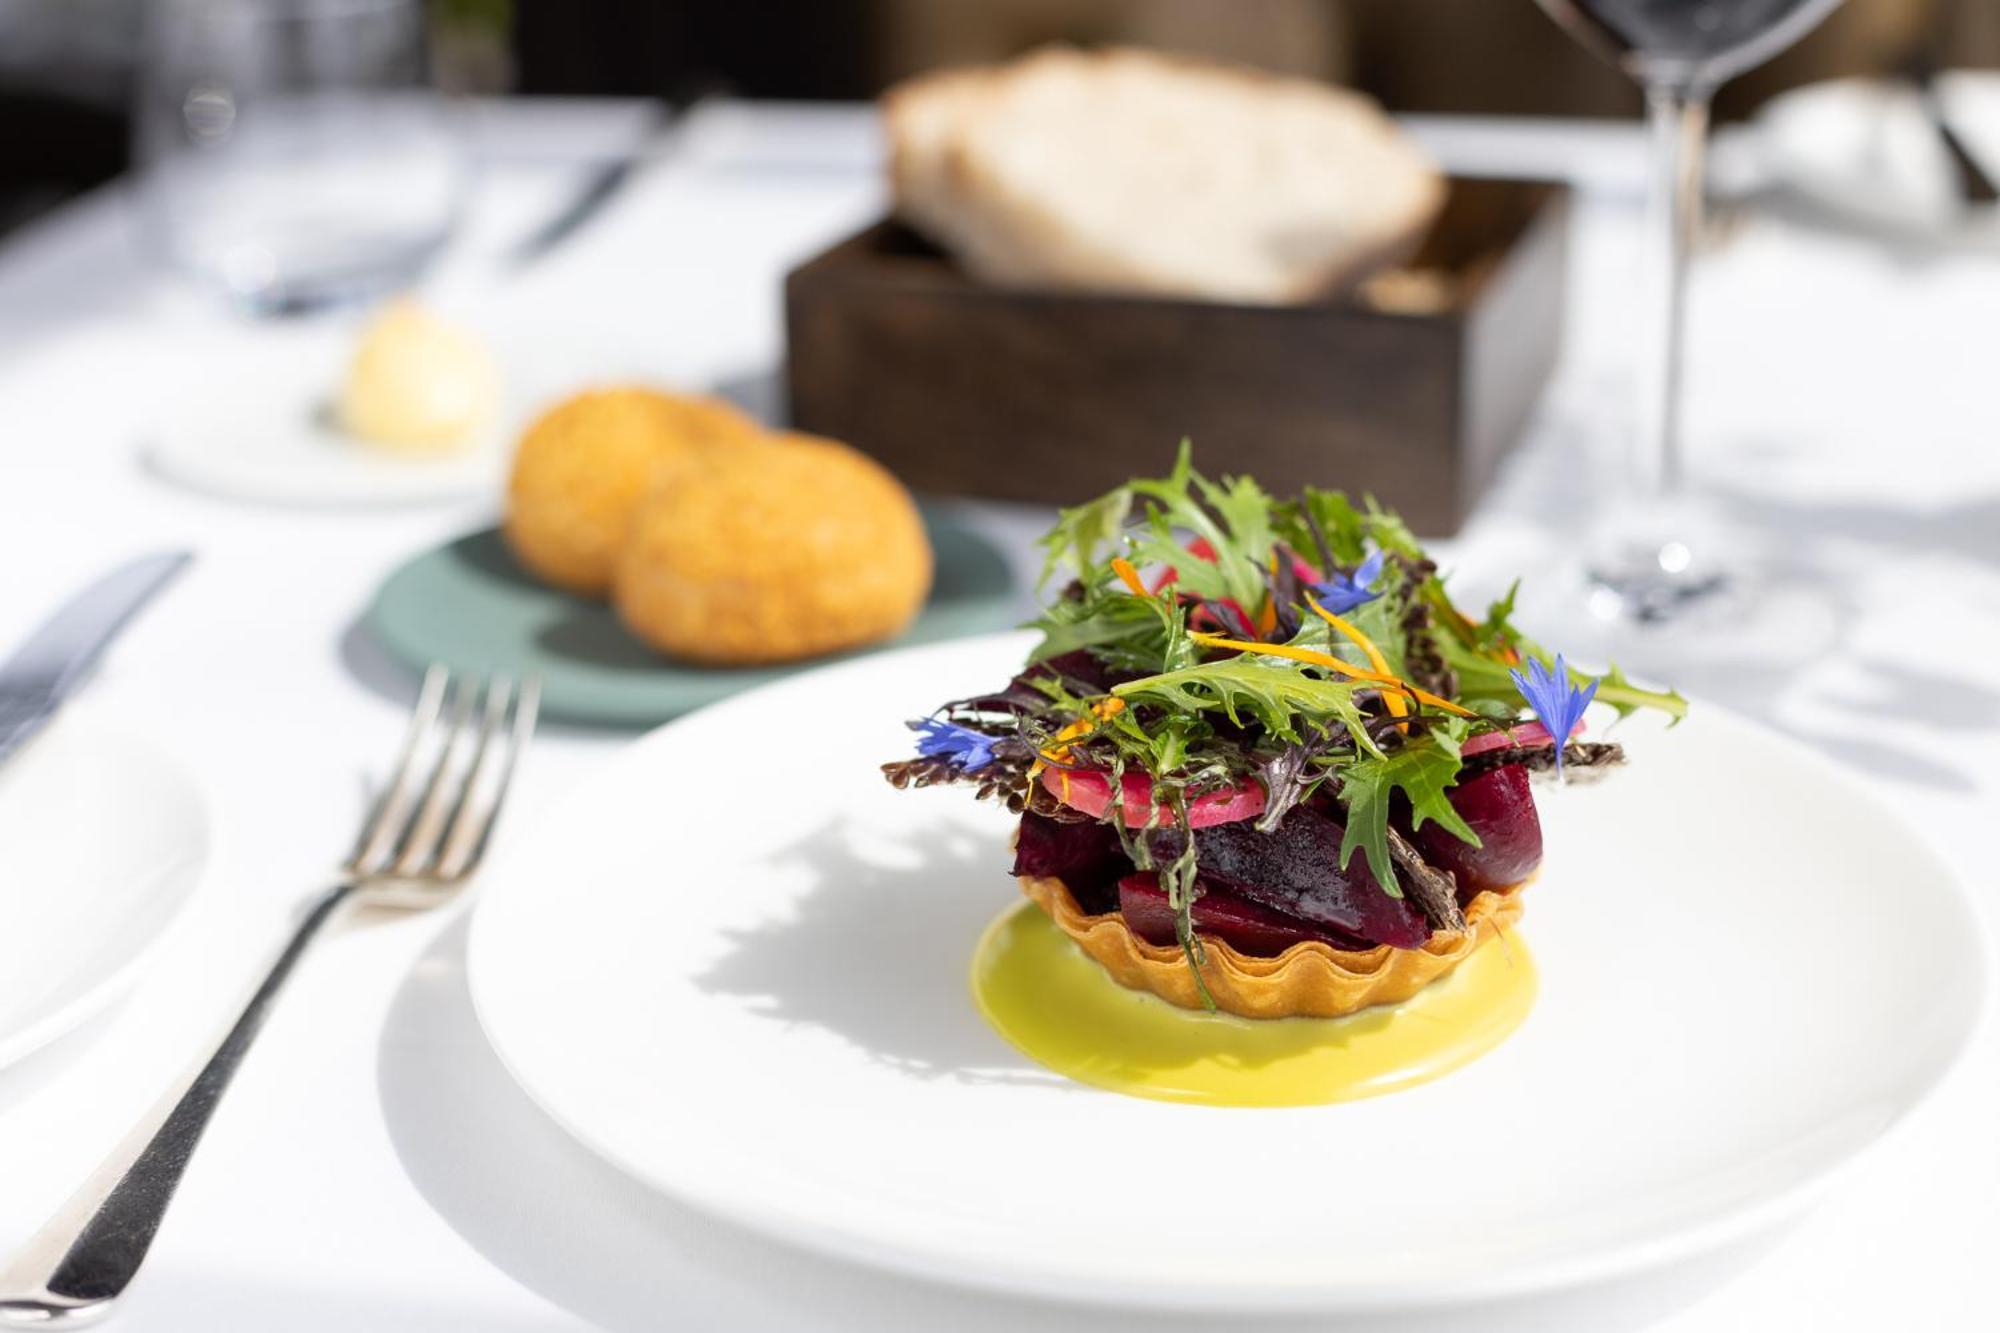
<point>1126,171</point>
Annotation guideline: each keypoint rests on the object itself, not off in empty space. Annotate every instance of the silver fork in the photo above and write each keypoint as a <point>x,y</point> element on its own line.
<point>423,839</point>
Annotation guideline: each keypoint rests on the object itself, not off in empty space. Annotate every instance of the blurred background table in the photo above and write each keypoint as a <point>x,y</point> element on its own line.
<point>376,1168</point>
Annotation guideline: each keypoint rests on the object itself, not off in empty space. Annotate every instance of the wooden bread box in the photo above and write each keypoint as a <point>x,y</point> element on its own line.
<point>968,389</point>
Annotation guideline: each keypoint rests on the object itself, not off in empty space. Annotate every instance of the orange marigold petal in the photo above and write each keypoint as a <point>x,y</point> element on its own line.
<point>1331,663</point>
<point>1130,575</point>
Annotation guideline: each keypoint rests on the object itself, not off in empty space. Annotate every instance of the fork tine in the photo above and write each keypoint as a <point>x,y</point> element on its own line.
<point>499,694</point>
<point>466,842</point>
<point>419,842</point>
<point>385,821</point>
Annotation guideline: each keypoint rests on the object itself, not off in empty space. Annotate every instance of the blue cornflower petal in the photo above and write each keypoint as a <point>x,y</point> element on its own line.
<point>1343,592</point>
<point>964,748</point>
<point>1369,569</point>
<point>1557,703</point>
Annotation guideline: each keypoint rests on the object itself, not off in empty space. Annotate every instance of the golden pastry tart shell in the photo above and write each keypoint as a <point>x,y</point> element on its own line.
<point>1311,979</point>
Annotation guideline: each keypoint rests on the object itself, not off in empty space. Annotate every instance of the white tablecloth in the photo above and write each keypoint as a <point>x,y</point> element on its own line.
<point>373,1166</point>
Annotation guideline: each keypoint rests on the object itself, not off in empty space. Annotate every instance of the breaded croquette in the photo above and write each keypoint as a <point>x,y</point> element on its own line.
<point>774,551</point>
<point>585,466</point>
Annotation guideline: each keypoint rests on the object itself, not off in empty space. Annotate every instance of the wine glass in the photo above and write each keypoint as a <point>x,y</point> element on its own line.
<point>1660,553</point>
<point>295,155</point>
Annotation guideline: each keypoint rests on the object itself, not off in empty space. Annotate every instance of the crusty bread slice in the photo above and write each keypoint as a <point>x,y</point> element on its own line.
<point>1135,172</point>
<point>923,118</point>
<point>926,119</point>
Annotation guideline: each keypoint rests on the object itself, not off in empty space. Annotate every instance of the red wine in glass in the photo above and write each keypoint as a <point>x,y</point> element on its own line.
<point>1692,41</point>
<point>1661,552</point>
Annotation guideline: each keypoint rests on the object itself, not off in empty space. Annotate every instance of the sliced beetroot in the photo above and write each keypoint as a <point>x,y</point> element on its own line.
<point>1500,807</point>
<point>1296,871</point>
<point>1526,736</point>
<point>1089,791</point>
<point>1249,926</point>
<point>1087,857</point>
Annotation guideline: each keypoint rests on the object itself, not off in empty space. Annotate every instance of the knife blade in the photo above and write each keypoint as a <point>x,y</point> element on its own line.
<point>56,657</point>
<point>664,127</point>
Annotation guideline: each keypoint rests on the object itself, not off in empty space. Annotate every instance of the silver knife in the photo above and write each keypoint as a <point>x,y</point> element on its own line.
<point>56,657</point>
<point>663,130</point>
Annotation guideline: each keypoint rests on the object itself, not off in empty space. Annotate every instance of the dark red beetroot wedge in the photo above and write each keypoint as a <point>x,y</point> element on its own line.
<point>1217,913</point>
<point>1296,871</point>
<point>1088,858</point>
<point>1500,807</point>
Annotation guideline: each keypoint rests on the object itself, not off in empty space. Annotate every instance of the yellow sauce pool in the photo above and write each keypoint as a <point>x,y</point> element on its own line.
<point>1043,994</point>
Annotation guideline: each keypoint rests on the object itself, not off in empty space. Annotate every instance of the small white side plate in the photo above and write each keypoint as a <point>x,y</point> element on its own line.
<point>102,839</point>
<point>734,964</point>
<point>267,436</point>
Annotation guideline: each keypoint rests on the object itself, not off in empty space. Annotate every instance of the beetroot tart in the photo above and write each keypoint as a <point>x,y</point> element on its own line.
<point>1262,762</point>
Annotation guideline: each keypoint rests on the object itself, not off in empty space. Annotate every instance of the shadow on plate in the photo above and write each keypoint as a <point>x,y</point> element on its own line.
<point>573,1229</point>
<point>870,932</point>
<point>760,391</point>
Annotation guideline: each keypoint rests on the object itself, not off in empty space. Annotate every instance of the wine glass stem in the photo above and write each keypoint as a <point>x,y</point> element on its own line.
<point>1679,118</point>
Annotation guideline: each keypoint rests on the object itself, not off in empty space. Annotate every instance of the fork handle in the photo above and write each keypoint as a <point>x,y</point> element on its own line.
<point>70,1271</point>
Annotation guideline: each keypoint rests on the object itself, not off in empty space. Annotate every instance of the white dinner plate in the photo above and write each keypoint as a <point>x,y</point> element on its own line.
<point>102,839</point>
<point>1864,152</point>
<point>735,964</point>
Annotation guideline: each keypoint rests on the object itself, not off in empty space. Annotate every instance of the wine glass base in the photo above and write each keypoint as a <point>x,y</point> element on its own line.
<point>1650,598</point>
<point>1661,564</point>
<point>267,281</point>
<point>1706,630</point>
<point>1680,592</point>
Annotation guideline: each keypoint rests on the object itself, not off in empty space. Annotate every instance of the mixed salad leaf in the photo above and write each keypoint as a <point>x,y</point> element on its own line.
<point>1209,636</point>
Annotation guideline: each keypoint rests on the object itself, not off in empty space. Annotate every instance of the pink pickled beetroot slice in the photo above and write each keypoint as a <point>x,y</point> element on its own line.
<point>1500,807</point>
<point>1527,735</point>
<point>1089,790</point>
<point>1217,913</point>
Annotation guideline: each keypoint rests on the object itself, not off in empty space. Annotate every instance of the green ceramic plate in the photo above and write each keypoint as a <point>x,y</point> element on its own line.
<point>469,605</point>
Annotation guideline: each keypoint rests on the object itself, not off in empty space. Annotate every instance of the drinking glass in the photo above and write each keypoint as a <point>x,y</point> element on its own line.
<point>1660,552</point>
<point>293,152</point>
